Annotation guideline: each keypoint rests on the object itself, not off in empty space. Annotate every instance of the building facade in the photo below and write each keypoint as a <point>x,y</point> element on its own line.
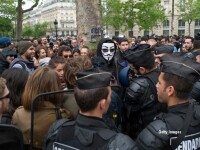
<point>172,26</point>
<point>64,11</point>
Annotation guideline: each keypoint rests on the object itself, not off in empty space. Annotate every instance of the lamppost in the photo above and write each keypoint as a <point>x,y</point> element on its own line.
<point>56,27</point>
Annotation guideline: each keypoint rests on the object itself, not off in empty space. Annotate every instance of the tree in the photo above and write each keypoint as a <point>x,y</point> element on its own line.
<point>20,13</point>
<point>6,26</point>
<point>129,14</point>
<point>113,14</point>
<point>150,13</point>
<point>89,20</point>
<point>7,15</point>
<point>37,30</point>
<point>189,11</point>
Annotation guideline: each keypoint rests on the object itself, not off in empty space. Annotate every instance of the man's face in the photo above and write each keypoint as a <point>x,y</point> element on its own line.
<point>188,44</point>
<point>67,55</point>
<point>30,53</point>
<point>84,51</point>
<point>4,101</point>
<point>44,41</point>
<point>73,43</point>
<point>108,51</point>
<point>123,46</point>
<point>162,89</point>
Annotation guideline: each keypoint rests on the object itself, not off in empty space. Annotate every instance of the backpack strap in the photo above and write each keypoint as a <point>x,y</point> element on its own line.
<point>22,64</point>
<point>52,132</point>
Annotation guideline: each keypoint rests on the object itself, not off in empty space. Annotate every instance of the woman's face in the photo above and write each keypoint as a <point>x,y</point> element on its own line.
<point>42,53</point>
<point>59,70</point>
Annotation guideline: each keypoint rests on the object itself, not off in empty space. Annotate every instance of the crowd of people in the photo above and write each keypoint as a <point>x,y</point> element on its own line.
<point>139,93</point>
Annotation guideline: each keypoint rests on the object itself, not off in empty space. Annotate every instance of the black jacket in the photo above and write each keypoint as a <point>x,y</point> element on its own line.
<point>141,102</point>
<point>88,133</point>
<point>161,133</point>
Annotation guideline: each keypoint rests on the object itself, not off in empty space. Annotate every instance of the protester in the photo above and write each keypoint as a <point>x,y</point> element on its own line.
<point>7,55</point>
<point>26,55</point>
<point>47,110</point>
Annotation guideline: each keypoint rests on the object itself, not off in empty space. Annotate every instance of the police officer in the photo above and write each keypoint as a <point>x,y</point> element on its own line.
<point>141,99</point>
<point>89,131</point>
<point>179,128</point>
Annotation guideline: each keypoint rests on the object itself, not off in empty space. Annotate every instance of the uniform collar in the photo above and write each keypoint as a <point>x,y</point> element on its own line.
<point>182,108</point>
<point>90,121</point>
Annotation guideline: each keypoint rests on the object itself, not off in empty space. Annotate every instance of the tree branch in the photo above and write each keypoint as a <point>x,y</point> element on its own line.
<point>33,6</point>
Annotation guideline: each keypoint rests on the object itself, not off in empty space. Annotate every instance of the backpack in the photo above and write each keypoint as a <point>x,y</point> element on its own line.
<point>52,132</point>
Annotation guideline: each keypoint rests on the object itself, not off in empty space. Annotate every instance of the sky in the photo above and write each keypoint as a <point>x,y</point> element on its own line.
<point>29,4</point>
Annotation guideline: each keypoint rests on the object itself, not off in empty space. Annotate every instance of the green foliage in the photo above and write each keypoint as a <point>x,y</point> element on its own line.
<point>7,17</point>
<point>190,12</point>
<point>146,14</point>
<point>150,14</point>
<point>129,13</point>
<point>7,9</point>
<point>6,26</point>
<point>114,15</point>
<point>37,30</point>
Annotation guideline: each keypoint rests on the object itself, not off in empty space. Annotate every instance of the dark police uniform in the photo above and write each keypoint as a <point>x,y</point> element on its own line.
<point>179,128</point>
<point>162,132</point>
<point>141,102</point>
<point>90,133</point>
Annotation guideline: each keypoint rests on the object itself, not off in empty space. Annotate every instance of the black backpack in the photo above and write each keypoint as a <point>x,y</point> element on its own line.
<point>52,132</point>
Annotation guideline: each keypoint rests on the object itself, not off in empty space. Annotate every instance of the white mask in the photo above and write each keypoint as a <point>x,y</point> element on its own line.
<point>108,51</point>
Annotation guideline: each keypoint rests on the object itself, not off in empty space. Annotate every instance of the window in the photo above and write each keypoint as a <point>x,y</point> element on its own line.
<point>166,6</point>
<point>67,32</point>
<point>166,23</point>
<point>62,25</point>
<point>130,33</point>
<point>63,33</point>
<point>146,33</point>
<point>116,33</point>
<point>182,5</point>
<point>181,23</point>
<point>181,32</point>
<point>166,32</point>
<point>196,31</point>
<point>197,23</point>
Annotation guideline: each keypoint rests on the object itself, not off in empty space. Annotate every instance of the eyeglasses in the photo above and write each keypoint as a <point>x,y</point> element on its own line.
<point>67,56</point>
<point>6,96</point>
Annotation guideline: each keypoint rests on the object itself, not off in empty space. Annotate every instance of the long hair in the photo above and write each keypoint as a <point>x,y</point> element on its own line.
<point>42,80</point>
<point>16,81</point>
